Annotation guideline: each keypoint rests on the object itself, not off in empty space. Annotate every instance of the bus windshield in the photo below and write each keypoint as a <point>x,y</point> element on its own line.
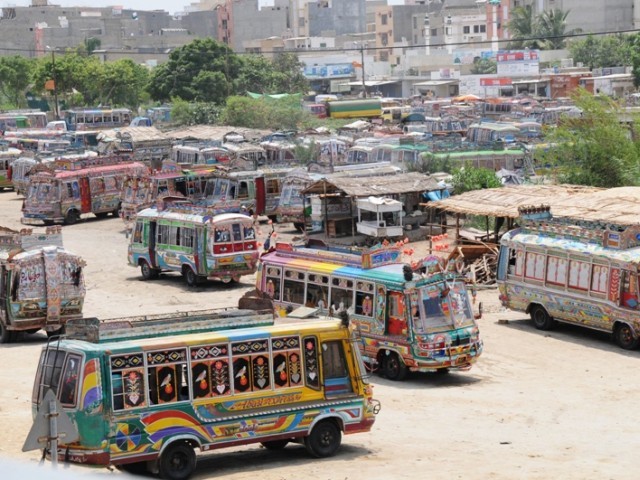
<point>443,306</point>
<point>43,192</point>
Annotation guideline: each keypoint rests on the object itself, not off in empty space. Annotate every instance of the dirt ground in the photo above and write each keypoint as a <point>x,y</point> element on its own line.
<point>537,405</point>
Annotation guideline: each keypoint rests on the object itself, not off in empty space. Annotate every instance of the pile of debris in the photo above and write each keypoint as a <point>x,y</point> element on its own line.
<point>480,262</point>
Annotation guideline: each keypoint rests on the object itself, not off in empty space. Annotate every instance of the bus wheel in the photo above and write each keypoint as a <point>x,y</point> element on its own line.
<point>393,367</point>
<point>300,227</point>
<point>275,444</point>
<point>624,337</point>
<point>190,276</point>
<point>147,272</point>
<point>324,440</point>
<point>72,217</point>
<point>55,333</point>
<point>177,462</point>
<point>6,336</point>
<point>541,319</point>
<point>116,212</point>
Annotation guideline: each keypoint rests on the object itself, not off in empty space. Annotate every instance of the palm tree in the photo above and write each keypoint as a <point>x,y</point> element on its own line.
<point>551,26</point>
<point>523,27</point>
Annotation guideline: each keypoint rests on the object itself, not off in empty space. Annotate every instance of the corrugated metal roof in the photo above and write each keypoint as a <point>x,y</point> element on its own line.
<point>375,185</point>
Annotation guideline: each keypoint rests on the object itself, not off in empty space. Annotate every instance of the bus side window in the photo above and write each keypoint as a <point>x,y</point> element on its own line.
<point>137,233</point>
<point>334,369</point>
<point>69,384</point>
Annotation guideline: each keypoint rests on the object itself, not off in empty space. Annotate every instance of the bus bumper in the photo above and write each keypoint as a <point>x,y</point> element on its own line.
<point>83,456</point>
<point>38,219</point>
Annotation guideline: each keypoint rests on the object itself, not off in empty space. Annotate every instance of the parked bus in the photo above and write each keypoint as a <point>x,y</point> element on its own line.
<point>142,191</point>
<point>146,404</point>
<point>62,196</point>
<point>292,206</point>
<point>21,167</point>
<point>363,108</point>
<point>8,155</point>
<point>408,321</point>
<point>583,274</point>
<point>41,283</point>
<point>22,119</point>
<point>97,118</point>
<point>190,240</point>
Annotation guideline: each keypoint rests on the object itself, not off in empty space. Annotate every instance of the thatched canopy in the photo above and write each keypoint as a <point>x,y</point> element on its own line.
<point>620,206</point>
<point>504,201</point>
<point>378,186</point>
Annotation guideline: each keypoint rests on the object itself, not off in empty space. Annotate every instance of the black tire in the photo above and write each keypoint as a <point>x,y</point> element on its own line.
<point>624,337</point>
<point>275,444</point>
<point>147,272</point>
<point>137,468</point>
<point>190,276</point>
<point>300,227</point>
<point>177,462</point>
<point>116,211</point>
<point>6,336</point>
<point>541,319</point>
<point>324,440</point>
<point>72,217</point>
<point>393,367</point>
<point>54,333</point>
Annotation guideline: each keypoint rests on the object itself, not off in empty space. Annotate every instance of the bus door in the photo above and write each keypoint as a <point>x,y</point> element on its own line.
<point>85,195</point>
<point>260,195</point>
<point>335,370</point>
<point>396,322</point>
<point>152,243</point>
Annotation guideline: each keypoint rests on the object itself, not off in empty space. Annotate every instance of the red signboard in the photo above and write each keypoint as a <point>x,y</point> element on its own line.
<point>519,56</point>
<point>495,82</point>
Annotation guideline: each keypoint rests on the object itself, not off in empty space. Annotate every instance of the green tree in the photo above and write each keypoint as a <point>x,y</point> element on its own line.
<point>602,52</point>
<point>254,75</point>
<point>524,28</point>
<point>595,149</point>
<point>483,66</point>
<point>201,70</point>
<point>15,79</point>
<point>288,76</point>
<point>470,178</point>
<point>277,114</point>
<point>552,26</point>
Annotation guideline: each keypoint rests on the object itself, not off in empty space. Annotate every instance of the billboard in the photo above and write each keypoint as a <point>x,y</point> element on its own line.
<point>338,70</point>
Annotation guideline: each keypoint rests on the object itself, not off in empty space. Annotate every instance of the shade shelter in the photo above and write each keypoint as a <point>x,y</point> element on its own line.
<point>386,220</point>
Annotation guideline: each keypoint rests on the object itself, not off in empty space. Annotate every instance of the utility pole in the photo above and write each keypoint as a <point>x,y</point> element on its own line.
<point>55,82</point>
<point>364,85</point>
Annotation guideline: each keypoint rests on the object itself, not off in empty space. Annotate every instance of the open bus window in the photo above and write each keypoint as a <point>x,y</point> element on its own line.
<point>317,296</point>
<point>249,233</point>
<point>293,287</point>
<point>334,368</point>
<point>69,384</point>
<point>364,299</point>
<point>272,285</point>
<point>341,294</point>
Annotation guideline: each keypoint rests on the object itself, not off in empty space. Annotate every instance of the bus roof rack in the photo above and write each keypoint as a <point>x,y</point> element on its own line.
<point>95,330</point>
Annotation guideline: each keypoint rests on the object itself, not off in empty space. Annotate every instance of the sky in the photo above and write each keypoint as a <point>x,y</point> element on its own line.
<point>171,6</point>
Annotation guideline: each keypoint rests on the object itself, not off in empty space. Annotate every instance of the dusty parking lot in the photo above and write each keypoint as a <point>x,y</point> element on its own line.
<point>537,405</point>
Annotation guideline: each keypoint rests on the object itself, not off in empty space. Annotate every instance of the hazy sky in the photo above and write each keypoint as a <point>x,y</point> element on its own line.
<point>171,6</point>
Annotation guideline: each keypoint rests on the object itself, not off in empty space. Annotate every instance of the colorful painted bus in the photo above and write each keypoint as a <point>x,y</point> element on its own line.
<point>363,108</point>
<point>408,321</point>
<point>142,191</point>
<point>41,283</point>
<point>191,240</point>
<point>147,404</point>
<point>7,156</point>
<point>62,196</point>
<point>571,271</point>
<point>97,118</point>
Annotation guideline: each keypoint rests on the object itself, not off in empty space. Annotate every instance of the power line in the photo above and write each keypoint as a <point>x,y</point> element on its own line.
<point>168,50</point>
